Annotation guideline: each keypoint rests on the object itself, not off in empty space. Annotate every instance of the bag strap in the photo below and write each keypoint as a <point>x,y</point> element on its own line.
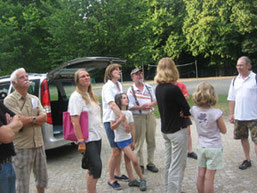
<point>134,94</point>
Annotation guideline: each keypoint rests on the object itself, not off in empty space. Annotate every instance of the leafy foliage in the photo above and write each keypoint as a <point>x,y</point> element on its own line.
<point>41,34</point>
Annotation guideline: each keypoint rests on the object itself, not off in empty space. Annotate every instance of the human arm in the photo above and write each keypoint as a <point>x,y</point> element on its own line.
<point>31,120</point>
<point>118,113</point>
<point>38,115</point>
<point>8,131</point>
<point>231,111</point>
<point>78,132</point>
<point>186,96</point>
<point>182,102</point>
<point>221,125</point>
<point>115,124</point>
<point>146,106</point>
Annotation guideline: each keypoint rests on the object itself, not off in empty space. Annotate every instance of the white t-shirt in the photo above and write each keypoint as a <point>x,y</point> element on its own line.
<point>119,132</point>
<point>244,93</point>
<point>95,126</point>
<point>109,91</point>
<point>142,97</point>
<point>207,126</point>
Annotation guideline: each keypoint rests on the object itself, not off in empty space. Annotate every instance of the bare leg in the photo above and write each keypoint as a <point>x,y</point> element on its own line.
<point>189,139</point>
<point>117,168</point>
<point>129,153</point>
<point>113,163</point>
<point>129,168</point>
<point>209,181</point>
<point>91,183</point>
<point>40,190</point>
<point>200,179</point>
<point>255,149</point>
<point>246,148</point>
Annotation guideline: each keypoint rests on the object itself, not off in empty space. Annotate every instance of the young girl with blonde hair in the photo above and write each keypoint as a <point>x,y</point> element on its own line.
<point>210,124</point>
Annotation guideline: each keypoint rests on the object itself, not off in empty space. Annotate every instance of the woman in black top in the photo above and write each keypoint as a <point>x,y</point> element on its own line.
<point>173,108</point>
<point>8,127</point>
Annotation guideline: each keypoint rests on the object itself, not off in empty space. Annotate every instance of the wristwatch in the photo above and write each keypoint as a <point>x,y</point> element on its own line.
<point>34,120</point>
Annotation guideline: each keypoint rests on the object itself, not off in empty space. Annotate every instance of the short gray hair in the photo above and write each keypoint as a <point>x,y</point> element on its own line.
<point>246,59</point>
<point>14,74</point>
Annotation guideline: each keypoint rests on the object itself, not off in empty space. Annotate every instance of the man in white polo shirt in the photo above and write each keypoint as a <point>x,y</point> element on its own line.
<point>242,99</point>
<point>141,102</point>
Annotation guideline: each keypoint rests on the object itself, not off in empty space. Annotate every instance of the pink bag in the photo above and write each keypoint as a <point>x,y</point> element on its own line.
<point>68,130</point>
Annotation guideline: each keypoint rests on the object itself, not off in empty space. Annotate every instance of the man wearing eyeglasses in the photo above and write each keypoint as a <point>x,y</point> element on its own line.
<point>141,102</point>
<point>242,99</point>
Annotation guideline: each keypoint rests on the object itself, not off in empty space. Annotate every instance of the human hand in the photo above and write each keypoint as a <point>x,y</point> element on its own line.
<point>127,129</point>
<point>231,119</point>
<point>146,106</point>
<point>122,117</point>
<point>8,118</point>
<point>82,148</point>
<point>132,146</point>
<point>181,114</point>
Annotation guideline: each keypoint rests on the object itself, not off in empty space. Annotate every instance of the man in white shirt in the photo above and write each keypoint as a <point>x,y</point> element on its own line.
<point>242,99</point>
<point>141,102</point>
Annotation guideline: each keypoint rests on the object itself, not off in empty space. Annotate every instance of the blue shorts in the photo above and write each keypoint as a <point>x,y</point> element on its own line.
<point>110,134</point>
<point>122,144</point>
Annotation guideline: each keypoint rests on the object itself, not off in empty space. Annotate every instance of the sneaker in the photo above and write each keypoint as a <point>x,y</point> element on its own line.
<point>142,169</point>
<point>152,168</point>
<point>123,178</point>
<point>134,183</point>
<point>246,164</point>
<point>192,155</point>
<point>142,185</point>
<point>115,185</point>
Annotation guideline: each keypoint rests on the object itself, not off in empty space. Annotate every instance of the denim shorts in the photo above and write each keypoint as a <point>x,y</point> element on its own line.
<point>7,178</point>
<point>125,143</point>
<point>210,158</point>
<point>110,134</point>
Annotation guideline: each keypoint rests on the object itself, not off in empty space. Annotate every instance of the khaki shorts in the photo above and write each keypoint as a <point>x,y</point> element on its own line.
<point>242,129</point>
<point>210,158</point>
<point>27,160</point>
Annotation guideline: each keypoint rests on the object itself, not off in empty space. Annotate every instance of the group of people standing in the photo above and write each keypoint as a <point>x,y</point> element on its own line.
<point>129,121</point>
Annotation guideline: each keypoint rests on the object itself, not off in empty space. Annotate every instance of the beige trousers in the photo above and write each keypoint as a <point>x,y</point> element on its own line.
<point>145,126</point>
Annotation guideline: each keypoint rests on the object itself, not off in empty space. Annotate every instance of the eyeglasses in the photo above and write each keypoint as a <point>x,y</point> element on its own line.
<point>240,65</point>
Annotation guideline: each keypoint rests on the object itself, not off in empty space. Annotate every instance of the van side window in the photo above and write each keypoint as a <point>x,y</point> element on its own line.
<point>4,87</point>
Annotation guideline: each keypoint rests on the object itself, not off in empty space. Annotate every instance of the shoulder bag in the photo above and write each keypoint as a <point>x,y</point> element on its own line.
<point>68,130</point>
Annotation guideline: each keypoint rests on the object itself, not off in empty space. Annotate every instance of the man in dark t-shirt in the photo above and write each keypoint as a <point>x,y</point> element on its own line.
<point>9,125</point>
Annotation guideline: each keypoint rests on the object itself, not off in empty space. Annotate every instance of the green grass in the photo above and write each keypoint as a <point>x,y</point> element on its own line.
<point>222,104</point>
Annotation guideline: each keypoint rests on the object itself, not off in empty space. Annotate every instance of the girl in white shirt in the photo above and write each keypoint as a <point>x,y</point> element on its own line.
<point>210,124</point>
<point>125,139</point>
